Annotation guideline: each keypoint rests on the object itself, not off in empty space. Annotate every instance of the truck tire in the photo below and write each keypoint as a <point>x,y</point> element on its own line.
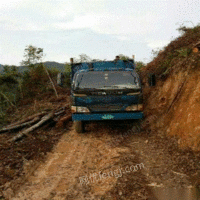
<point>79,126</point>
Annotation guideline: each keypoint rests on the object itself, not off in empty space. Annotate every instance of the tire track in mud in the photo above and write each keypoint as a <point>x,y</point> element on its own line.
<point>104,148</point>
<point>98,151</point>
<point>48,177</point>
<point>74,156</point>
<point>132,184</point>
<point>113,154</point>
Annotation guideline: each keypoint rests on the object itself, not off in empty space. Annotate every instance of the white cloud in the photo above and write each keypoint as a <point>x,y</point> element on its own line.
<point>122,25</point>
<point>9,4</point>
<point>123,38</point>
<point>79,22</point>
<point>115,25</point>
<point>21,25</point>
<point>92,14</point>
<point>154,44</point>
<point>125,24</point>
<point>46,15</point>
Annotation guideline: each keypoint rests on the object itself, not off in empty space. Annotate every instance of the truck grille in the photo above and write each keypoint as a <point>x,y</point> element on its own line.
<point>102,108</point>
<point>103,93</point>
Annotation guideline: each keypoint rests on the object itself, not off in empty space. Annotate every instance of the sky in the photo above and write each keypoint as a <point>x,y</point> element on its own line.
<point>100,29</point>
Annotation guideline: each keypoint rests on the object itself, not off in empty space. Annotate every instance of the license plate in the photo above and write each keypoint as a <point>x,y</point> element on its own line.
<point>107,116</point>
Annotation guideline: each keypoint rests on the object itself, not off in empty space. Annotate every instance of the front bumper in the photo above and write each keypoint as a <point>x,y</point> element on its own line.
<point>106,116</point>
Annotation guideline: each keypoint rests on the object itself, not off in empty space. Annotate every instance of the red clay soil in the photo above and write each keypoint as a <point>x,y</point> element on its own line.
<point>172,106</point>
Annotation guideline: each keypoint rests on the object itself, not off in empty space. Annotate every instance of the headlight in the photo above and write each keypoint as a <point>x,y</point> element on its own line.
<point>135,107</point>
<point>79,109</point>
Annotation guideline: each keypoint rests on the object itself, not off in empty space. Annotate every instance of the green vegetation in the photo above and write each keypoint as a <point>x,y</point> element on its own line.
<point>123,57</point>
<point>9,88</point>
<point>139,65</point>
<point>33,82</point>
<point>178,54</point>
<point>32,56</point>
<point>184,52</point>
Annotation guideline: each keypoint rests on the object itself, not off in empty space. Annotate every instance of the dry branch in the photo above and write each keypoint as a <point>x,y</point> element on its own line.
<point>32,128</point>
<point>30,120</point>
<point>26,119</point>
<point>196,47</point>
<point>60,112</point>
<point>36,121</point>
<point>8,99</point>
<point>54,88</point>
<point>20,126</point>
<point>197,44</point>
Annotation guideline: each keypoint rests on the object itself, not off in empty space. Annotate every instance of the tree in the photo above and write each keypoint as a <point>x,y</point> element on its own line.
<point>123,57</point>
<point>9,75</point>
<point>67,68</point>
<point>32,56</point>
<point>139,65</point>
<point>84,58</point>
<point>9,90</point>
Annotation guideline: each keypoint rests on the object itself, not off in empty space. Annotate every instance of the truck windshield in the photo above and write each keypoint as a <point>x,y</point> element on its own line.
<point>106,80</point>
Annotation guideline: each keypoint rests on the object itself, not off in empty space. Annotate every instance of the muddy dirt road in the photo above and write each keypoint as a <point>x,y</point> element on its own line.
<point>114,161</point>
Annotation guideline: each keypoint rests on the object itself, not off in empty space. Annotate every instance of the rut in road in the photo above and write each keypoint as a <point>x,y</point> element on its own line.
<point>62,167</point>
<point>102,150</point>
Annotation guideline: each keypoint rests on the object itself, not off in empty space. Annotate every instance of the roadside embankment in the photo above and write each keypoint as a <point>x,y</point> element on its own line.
<point>173,105</point>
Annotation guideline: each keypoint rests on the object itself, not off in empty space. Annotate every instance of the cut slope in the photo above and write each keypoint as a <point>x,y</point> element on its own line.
<point>173,105</point>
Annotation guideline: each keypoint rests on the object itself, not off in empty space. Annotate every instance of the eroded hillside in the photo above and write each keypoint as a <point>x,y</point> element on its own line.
<point>173,105</point>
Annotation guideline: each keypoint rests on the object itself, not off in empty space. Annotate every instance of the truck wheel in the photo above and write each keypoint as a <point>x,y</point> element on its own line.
<point>79,126</point>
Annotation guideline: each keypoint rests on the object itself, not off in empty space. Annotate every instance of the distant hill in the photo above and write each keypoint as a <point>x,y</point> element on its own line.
<point>22,69</point>
<point>49,64</point>
<point>1,68</point>
<point>55,65</point>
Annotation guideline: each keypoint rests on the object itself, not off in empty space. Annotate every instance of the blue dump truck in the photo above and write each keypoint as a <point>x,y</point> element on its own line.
<point>106,90</point>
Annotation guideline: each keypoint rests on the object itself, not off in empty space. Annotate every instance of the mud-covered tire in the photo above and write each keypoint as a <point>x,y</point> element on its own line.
<point>79,126</point>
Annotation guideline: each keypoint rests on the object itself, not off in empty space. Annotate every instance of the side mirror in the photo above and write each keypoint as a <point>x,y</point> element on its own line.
<point>60,77</point>
<point>152,79</point>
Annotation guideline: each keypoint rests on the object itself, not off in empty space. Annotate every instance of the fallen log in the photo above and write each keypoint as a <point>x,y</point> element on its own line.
<point>20,126</point>
<point>30,120</point>
<point>32,128</point>
<point>59,113</point>
<point>61,108</point>
<point>26,119</point>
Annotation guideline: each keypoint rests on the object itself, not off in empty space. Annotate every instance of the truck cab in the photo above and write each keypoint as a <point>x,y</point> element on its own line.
<point>106,90</point>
